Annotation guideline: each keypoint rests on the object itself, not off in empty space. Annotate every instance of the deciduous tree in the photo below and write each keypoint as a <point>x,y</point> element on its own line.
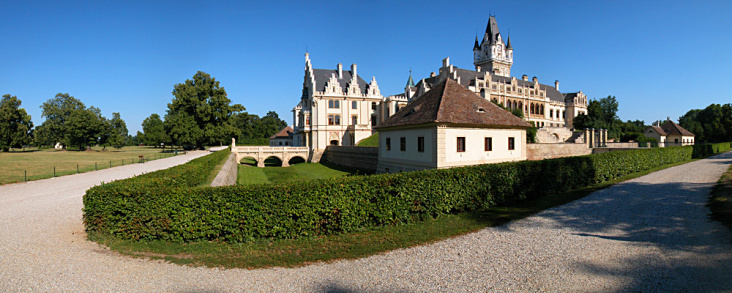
<point>57,112</point>
<point>154,131</point>
<point>200,112</point>
<point>15,124</point>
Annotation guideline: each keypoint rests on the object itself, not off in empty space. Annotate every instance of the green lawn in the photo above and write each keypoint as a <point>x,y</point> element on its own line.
<point>371,141</point>
<point>39,164</point>
<point>249,174</point>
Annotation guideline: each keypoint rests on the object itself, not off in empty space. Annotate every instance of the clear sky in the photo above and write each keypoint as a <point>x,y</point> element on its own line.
<point>659,58</point>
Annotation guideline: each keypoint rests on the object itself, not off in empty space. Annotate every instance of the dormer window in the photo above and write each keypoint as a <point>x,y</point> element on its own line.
<point>481,110</point>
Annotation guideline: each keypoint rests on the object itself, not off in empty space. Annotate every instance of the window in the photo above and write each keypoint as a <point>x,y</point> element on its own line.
<point>354,119</point>
<point>488,144</point>
<point>334,142</point>
<point>420,144</point>
<point>373,105</point>
<point>551,113</point>
<point>354,105</point>
<point>334,119</point>
<point>334,104</point>
<point>402,144</point>
<point>511,144</point>
<point>388,144</point>
<point>460,144</point>
<point>307,120</point>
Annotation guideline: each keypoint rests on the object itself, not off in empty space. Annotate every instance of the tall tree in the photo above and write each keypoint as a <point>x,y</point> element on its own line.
<point>200,112</point>
<point>57,111</point>
<point>118,131</point>
<point>84,128</point>
<point>711,124</point>
<point>154,131</point>
<point>601,114</point>
<point>15,124</point>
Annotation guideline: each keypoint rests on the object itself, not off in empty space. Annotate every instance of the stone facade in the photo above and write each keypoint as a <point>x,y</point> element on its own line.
<point>353,157</point>
<point>540,151</point>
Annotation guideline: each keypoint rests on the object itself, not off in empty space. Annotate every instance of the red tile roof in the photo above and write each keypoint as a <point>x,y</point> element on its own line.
<point>672,128</point>
<point>449,102</point>
<point>284,133</point>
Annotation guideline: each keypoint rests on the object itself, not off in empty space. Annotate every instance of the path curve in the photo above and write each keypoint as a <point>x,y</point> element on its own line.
<point>652,233</point>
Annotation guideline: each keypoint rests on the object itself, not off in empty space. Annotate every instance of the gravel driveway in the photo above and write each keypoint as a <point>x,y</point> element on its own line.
<point>648,234</point>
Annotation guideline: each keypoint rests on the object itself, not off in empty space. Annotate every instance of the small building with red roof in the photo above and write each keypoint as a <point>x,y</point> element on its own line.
<point>449,126</point>
<point>669,134</point>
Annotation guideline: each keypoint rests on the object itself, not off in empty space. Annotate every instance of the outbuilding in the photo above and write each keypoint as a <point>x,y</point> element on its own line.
<point>449,126</point>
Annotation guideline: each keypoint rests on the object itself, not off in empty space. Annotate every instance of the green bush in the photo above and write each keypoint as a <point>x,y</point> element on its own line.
<point>163,205</point>
<point>708,149</point>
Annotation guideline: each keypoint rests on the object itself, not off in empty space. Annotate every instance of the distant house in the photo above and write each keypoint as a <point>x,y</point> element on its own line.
<point>282,138</point>
<point>669,134</point>
<point>449,126</point>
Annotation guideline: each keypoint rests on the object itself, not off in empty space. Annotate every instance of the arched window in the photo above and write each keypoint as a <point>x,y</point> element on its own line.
<point>482,93</point>
<point>521,106</point>
<point>551,114</point>
<point>541,109</point>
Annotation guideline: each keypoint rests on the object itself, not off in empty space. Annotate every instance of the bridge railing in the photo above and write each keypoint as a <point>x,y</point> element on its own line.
<point>266,149</point>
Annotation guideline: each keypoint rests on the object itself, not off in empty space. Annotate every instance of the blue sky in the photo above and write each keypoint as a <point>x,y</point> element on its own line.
<point>659,58</point>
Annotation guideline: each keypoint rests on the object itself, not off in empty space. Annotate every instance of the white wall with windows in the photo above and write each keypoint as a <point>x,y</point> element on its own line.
<point>474,149</point>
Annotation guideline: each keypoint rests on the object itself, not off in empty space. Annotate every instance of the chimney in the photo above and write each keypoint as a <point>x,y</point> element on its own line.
<point>353,71</point>
<point>477,68</point>
<point>535,80</point>
<point>446,62</point>
<point>340,71</point>
<point>525,77</point>
<point>556,84</point>
<point>432,74</point>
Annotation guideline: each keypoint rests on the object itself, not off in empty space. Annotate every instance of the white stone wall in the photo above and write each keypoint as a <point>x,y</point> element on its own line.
<point>475,146</point>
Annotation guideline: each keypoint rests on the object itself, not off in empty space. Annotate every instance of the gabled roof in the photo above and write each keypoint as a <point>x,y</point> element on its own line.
<point>322,76</point>
<point>672,128</point>
<point>284,133</point>
<point>658,130</point>
<point>449,102</point>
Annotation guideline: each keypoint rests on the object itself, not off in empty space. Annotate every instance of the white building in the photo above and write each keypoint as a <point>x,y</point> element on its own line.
<point>670,134</point>
<point>335,108</point>
<point>447,127</point>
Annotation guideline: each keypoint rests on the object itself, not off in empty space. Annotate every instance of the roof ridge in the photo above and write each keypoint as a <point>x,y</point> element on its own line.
<point>440,100</point>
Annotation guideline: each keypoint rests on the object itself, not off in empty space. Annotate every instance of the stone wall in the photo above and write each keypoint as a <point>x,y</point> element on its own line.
<point>540,151</point>
<point>227,175</point>
<point>362,158</point>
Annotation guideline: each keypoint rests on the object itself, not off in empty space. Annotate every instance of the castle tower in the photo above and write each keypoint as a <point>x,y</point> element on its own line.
<point>492,54</point>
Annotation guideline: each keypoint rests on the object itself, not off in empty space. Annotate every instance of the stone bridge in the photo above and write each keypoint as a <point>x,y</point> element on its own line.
<point>261,153</point>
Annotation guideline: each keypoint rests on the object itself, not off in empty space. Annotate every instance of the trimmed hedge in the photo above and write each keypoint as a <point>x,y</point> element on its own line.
<point>154,207</point>
<point>708,149</point>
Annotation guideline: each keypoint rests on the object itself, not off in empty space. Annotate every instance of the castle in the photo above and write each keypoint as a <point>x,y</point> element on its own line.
<point>338,107</point>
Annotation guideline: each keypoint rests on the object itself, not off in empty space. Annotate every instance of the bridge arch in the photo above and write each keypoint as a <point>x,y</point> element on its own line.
<point>261,153</point>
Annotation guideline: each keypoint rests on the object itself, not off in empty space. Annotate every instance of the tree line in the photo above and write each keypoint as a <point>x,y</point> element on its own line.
<point>199,114</point>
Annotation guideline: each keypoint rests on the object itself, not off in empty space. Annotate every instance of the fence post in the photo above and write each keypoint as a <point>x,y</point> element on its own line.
<point>25,175</point>
<point>54,171</point>
<point>95,166</point>
<point>77,168</point>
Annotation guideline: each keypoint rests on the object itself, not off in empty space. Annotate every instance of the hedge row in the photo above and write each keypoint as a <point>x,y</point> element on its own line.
<point>149,208</point>
<point>705,150</point>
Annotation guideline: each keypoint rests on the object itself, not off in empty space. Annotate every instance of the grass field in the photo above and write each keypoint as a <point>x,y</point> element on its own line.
<point>34,164</point>
<point>249,174</point>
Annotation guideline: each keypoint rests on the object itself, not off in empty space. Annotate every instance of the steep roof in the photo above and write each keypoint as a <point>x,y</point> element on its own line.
<point>491,31</point>
<point>659,130</point>
<point>449,102</point>
<point>672,128</point>
<point>322,76</point>
<point>284,133</point>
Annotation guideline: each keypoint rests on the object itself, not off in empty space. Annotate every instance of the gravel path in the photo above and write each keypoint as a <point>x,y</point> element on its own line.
<point>647,234</point>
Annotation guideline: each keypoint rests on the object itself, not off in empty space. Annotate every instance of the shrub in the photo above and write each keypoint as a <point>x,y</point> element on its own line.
<point>708,149</point>
<point>163,205</point>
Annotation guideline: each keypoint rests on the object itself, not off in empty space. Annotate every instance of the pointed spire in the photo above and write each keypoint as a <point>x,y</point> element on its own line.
<point>476,46</point>
<point>508,44</point>
<point>410,81</point>
<point>491,30</point>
